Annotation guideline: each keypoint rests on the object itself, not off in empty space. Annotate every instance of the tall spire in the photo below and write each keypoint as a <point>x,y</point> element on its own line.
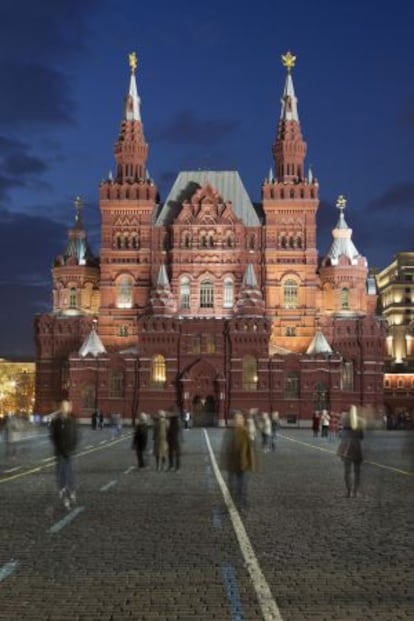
<point>289,148</point>
<point>131,150</point>
<point>133,102</point>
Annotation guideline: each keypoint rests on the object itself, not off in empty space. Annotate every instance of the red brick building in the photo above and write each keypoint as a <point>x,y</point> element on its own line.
<point>207,302</point>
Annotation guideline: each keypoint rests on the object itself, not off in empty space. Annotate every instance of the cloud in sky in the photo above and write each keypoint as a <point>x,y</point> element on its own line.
<point>19,167</point>
<point>186,128</point>
<point>398,196</point>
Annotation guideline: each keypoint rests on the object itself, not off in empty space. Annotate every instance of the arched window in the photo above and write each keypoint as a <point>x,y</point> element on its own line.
<point>283,242</point>
<point>249,373</point>
<point>230,241</point>
<point>185,293</point>
<point>123,331</point>
<point>345,298</point>
<point>320,397</point>
<point>118,242</point>
<point>299,242</point>
<point>72,298</point>
<point>211,241</point>
<point>290,294</point>
<point>158,371</point>
<point>292,385</point>
<point>134,242</point>
<point>347,376</point>
<point>203,241</point>
<point>206,294</point>
<point>228,293</point>
<point>124,292</point>
<point>88,396</point>
<point>117,384</point>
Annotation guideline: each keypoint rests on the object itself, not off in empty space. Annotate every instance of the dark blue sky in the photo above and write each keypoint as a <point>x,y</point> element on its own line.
<point>210,82</point>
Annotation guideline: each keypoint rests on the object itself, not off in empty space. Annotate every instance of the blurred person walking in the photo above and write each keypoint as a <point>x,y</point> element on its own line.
<point>160,441</point>
<point>349,450</point>
<point>140,440</point>
<point>11,429</point>
<point>316,419</point>
<point>238,459</point>
<point>275,427</point>
<point>266,429</point>
<point>325,420</point>
<point>64,437</point>
<point>174,443</point>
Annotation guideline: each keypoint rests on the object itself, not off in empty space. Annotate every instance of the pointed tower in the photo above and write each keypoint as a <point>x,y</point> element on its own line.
<point>250,300</point>
<point>162,301</point>
<point>344,273</point>
<point>127,202</point>
<point>290,203</point>
<point>75,273</point>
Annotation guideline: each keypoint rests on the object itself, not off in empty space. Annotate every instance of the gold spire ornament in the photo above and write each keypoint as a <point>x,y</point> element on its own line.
<point>133,61</point>
<point>341,202</point>
<point>288,61</point>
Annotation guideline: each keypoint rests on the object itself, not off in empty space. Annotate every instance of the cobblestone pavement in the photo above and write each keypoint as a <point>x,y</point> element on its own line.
<point>162,546</point>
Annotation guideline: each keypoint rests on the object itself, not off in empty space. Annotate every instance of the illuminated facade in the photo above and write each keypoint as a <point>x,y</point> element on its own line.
<point>206,302</point>
<point>17,384</point>
<point>395,286</point>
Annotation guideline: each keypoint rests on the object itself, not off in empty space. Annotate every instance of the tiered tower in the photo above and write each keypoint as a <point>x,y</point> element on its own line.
<point>127,202</point>
<point>290,203</point>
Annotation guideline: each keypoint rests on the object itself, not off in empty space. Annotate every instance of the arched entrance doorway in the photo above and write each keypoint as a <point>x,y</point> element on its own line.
<point>320,397</point>
<point>203,411</point>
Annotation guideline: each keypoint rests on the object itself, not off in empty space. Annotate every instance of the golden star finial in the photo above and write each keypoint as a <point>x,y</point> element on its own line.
<point>341,202</point>
<point>133,61</point>
<point>288,60</point>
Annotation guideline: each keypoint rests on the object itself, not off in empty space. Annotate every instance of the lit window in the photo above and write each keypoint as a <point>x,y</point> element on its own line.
<point>210,343</point>
<point>291,331</point>
<point>124,292</point>
<point>290,294</point>
<point>185,293</point>
<point>123,330</point>
<point>250,373</point>
<point>345,298</point>
<point>196,346</point>
<point>159,370</point>
<point>228,293</point>
<point>206,294</point>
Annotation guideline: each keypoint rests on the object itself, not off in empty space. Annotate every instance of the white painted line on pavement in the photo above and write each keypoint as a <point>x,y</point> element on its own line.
<point>12,469</point>
<point>270,610</point>
<point>7,569</point>
<point>103,442</point>
<point>105,488</point>
<point>66,520</point>
<point>89,446</point>
<point>47,459</point>
<point>130,469</point>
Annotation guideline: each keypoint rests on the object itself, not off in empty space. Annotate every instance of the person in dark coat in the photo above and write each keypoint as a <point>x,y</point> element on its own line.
<point>64,437</point>
<point>349,450</point>
<point>140,440</point>
<point>316,420</point>
<point>94,419</point>
<point>174,443</point>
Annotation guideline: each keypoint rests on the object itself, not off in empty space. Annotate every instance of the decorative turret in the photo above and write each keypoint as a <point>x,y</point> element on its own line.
<point>76,273</point>
<point>289,148</point>
<point>342,245</point>
<point>162,300</point>
<point>131,150</point>
<point>77,251</point>
<point>343,271</point>
<point>250,300</point>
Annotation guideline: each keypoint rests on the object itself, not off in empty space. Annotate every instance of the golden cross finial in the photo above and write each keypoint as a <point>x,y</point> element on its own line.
<point>341,202</point>
<point>133,61</point>
<point>288,60</point>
